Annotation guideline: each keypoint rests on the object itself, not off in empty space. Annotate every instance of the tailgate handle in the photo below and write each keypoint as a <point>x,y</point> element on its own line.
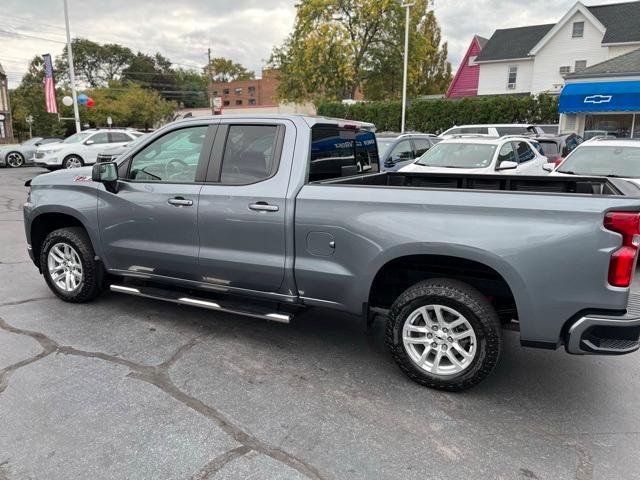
<point>180,202</point>
<point>263,207</point>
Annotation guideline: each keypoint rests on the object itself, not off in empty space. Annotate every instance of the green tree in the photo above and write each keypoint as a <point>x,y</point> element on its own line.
<point>153,72</point>
<point>225,70</point>
<point>192,88</point>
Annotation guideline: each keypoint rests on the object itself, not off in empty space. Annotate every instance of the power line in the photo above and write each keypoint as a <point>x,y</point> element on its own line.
<point>7,33</point>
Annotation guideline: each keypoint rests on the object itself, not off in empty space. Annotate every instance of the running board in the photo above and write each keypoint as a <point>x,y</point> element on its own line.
<point>228,307</point>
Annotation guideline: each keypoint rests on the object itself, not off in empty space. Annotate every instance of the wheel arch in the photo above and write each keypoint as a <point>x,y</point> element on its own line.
<point>46,222</point>
<point>487,272</point>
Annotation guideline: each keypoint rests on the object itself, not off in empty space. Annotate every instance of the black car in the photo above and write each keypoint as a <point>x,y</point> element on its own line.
<point>557,147</point>
<point>397,150</point>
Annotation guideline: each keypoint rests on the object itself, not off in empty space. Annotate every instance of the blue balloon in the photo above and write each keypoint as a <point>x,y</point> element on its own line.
<point>83,99</point>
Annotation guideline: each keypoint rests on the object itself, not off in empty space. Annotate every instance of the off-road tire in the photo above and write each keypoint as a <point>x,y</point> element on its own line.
<point>93,281</point>
<point>468,301</point>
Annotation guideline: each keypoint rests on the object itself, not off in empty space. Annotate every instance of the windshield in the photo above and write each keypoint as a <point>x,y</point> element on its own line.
<point>603,161</point>
<point>77,137</point>
<point>384,144</point>
<point>458,155</point>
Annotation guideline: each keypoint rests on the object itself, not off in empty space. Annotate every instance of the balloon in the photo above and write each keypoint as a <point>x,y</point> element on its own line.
<point>82,99</point>
<point>90,102</point>
<point>67,101</point>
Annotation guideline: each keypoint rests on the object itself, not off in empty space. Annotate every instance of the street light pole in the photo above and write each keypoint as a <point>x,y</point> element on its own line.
<point>72,75</point>
<point>407,5</point>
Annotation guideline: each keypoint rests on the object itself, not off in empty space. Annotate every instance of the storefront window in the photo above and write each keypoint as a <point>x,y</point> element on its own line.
<point>636,128</point>
<point>612,125</point>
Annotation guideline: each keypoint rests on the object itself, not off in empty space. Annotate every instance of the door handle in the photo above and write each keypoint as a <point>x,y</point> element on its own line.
<point>263,207</point>
<point>180,202</point>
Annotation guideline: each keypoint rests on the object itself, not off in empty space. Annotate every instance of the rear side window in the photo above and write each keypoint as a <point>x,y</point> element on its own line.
<point>511,130</point>
<point>474,130</point>
<point>422,145</point>
<point>340,152</point>
<point>249,154</point>
<point>525,153</point>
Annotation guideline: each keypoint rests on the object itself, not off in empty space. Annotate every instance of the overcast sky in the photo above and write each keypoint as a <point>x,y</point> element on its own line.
<point>244,30</point>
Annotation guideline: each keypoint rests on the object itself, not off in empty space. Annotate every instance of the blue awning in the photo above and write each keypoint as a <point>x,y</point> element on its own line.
<point>600,97</point>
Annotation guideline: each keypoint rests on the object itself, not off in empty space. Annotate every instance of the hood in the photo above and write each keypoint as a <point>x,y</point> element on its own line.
<point>68,176</point>
<point>414,167</point>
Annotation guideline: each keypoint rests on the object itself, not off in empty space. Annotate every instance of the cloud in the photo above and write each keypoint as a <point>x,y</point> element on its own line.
<point>244,30</point>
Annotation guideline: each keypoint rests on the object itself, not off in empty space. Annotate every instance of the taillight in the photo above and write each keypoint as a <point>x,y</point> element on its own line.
<point>558,161</point>
<point>623,260</point>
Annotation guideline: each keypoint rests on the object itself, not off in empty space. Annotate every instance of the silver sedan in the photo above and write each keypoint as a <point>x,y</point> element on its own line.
<point>22,154</point>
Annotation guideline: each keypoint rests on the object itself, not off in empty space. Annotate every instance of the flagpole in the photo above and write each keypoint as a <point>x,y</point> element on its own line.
<point>72,75</point>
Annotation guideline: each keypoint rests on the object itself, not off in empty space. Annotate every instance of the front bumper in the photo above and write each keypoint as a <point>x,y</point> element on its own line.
<point>606,335</point>
<point>50,160</point>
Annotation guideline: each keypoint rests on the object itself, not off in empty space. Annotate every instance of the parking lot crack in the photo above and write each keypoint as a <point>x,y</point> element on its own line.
<point>215,465</point>
<point>48,347</point>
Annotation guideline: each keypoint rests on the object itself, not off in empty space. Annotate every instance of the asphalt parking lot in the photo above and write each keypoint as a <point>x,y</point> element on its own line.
<point>132,388</point>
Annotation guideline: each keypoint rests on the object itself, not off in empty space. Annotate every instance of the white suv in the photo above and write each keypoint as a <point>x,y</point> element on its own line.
<point>509,155</point>
<point>492,130</point>
<point>82,148</point>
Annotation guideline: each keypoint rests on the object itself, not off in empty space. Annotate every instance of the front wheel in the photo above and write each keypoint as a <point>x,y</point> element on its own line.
<point>444,334</point>
<point>15,159</point>
<point>72,161</point>
<point>68,263</point>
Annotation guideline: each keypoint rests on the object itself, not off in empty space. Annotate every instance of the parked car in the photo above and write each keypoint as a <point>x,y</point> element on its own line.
<point>255,227</point>
<point>81,148</point>
<point>22,154</point>
<point>112,153</point>
<point>509,155</point>
<point>492,130</point>
<point>398,150</point>
<point>603,157</point>
<point>556,147</point>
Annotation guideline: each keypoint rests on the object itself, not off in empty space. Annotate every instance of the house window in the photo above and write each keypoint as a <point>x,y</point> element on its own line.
<point>252,90</point>
<point>214,93</point>
<point>578,30</point>
<point>227,103</point>
<point>512,77</point>
<point>226,91</point>
<point>580,65</point>
<point>238,102</point>
<point>472,60</point>
<point>238,91</point>
<point>565,70</point>
<point>252,101</point>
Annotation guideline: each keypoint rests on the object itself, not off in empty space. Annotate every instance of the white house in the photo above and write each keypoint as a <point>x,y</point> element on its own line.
<point>535,59</point>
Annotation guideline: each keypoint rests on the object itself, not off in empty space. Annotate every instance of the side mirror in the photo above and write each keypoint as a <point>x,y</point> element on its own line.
<point>89,142</point>
<point>507,165</point>
<point>549,167</point>
<point>107,174</point>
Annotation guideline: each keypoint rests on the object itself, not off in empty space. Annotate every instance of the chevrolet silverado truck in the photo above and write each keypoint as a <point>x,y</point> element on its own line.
<point>267,216</point>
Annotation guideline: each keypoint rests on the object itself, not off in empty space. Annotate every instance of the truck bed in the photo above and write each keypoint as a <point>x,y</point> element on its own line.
<point>599,186</point>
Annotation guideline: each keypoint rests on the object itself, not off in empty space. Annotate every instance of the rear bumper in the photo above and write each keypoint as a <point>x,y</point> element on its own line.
<point>604,335</point>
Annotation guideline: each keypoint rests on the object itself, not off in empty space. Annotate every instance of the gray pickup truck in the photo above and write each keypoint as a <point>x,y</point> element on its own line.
<point>269,215</point>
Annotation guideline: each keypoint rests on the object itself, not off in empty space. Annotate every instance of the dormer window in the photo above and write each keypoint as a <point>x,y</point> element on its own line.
<point>578,30</point>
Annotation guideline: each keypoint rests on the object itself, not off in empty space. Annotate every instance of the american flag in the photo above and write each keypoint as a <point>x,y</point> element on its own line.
<point>49,85</point>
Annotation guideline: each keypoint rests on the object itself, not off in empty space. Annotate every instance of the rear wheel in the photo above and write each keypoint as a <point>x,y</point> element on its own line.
<point>72,161</point>
<point>68,263</point>
<point>444,334</point>
<point>15,159</point>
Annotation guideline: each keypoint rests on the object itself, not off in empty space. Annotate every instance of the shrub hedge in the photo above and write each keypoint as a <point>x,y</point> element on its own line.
<point>435,116</point>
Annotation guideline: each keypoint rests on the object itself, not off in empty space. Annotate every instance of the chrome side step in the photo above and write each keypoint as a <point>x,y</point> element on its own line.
<point>228,307</point>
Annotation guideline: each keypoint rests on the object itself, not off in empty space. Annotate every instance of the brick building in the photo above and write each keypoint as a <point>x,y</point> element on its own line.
<point>247,93</point>
<point>6,132</point>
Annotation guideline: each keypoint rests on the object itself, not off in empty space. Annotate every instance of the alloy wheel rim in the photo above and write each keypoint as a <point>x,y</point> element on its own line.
<point>65,267</point>
<point>14,159</point>
<point>439,340</point>
<point>74,162</point>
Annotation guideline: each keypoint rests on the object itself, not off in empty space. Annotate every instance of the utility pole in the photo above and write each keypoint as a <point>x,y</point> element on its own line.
<point>407,5</point>
<point>210,81</point>
<point>72,75</point>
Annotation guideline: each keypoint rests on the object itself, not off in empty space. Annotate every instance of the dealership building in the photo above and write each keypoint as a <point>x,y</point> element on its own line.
<point>604,99</point>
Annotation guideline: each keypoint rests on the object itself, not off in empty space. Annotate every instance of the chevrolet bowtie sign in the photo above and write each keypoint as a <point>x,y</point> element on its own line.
<point>598,99</point>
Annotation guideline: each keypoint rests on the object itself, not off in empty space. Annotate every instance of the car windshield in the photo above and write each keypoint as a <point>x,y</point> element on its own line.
<point>458,155</point>
<point>384,144</point>
<point>603,161</point>
<point>77,137</point>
